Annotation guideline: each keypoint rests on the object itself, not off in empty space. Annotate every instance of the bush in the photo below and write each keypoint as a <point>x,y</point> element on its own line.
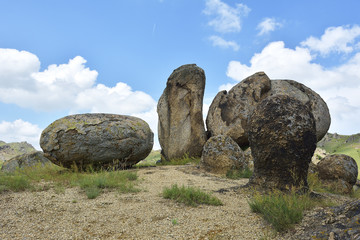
<point>190,196</point>
<point>281,210</point>
<point>15,183</point>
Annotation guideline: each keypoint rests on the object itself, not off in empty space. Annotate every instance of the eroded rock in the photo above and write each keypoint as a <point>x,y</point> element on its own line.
<point>36,158</point>
<point>99,140</point>
<point>181,127</point>
<point>221,154</point>
<point>282,137</point>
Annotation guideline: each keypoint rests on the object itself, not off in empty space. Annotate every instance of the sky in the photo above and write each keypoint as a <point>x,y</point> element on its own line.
<point>67,57</point>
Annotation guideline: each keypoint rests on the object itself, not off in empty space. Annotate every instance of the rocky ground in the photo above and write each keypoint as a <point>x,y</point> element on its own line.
<point>142,215</point>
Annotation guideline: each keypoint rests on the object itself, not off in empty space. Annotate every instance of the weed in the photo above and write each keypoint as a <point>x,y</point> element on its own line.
<point>282,210</point>
<point>92,192</point>
<point>181,161</point>
<point>174,221</point>
<point>190,196</point>
<point>239,173</point>
<point>15,183</point>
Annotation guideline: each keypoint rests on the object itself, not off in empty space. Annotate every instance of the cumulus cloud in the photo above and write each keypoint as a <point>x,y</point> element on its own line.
<point>335,39</point>
<point>222,43</point>
<point>339,86</point>
<point>20,131</point>
<point>68,87</point>
<point>268,25</point>
<point>225,18</point>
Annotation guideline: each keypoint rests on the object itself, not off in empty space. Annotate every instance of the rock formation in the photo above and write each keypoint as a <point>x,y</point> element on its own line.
<point>221,154</point>
<point>25,160</point>
<point>282,137</point>
<point>338,171</point>
<point>181,128</point>
<point>10,150</point>
<point>229,112</point>
<point>99,140</point>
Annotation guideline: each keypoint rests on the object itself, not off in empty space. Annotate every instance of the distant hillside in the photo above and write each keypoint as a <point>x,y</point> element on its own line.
<point>10,150</point>
<point>342,144</point>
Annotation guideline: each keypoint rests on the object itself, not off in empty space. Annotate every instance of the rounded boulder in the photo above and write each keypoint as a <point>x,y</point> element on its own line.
<point>221,154</point>
<point>97,140</point>
<point>339,171</point>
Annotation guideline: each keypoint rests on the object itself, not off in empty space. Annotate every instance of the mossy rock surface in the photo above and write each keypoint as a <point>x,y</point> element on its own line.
<point>97,140</point>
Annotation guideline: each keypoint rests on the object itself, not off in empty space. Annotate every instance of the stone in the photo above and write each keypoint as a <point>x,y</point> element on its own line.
<point>97,140</point>
<point>25,160</point>
<point>340,222</point>
<point>282,137</point>
<point>308,97</point>
<point>221,154</point>
<point>338,171</point>
<point>181,127</point>
<point>229,111</point>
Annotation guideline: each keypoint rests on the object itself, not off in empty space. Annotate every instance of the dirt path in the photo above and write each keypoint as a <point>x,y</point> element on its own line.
<point>143,215</point>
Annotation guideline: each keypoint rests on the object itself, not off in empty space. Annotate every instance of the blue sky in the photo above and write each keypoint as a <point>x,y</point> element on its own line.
<point>64,57</point>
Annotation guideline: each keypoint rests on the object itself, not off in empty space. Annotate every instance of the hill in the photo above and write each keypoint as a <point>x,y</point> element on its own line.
<point>342,144</point>
<point>10,150</point>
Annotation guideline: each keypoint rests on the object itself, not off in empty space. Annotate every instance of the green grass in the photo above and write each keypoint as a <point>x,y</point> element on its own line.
<point>238,174</point>
<point>182,161</point>
<point>150,160</point>
<point>190,196</point>
<point>59,179</point>
<point>282,210</point>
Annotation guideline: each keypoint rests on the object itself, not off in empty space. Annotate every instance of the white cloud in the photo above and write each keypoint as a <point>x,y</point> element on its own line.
<point>68,87</point>
<point>20,131</point>
<point>339,86</point>
<point>222,43</point>
<point>268,25</point>
<point>335,39</point>
<point>226,19</point>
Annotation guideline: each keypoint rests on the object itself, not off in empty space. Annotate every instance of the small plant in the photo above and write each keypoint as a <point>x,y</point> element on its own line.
<point>14,183</point>
<point>190,196</point>
<point>92,192</point>
<point>239,173</point>
<point>174,221</point>
<point>74,201</point>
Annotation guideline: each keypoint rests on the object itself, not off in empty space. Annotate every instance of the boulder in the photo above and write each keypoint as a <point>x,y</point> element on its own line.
<point>10,150</point>
<point>282,137</point>
<point>97,140</point>
<point>229,111</point>
<point>181,128</point>
<point>25,160</point>
<point>221,154</point>
<point>308,97</point>
<point>338,171</point>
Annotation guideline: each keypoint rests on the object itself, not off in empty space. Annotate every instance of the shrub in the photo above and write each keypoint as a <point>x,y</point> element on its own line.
<point>190,196</point>
<point>281,210</point>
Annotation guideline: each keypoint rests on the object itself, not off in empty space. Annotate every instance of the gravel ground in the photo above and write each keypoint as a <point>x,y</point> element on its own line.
<point>142,215</point>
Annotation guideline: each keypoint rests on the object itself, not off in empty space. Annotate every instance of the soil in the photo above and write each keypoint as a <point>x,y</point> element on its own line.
<point>142,215</point>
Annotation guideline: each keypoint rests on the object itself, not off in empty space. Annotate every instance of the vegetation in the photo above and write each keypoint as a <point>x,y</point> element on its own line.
<point>239,173</point>
<point>92,183</point>
<point>283,210</point>
<point>190,196</point>
<point>150,160</point>
<point>181,161</point>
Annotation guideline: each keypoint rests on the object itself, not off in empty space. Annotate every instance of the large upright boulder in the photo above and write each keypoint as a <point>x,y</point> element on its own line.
<point>229,112</point>
<point>282,137</point>
<point>97,140</point>
<point>181,127</point>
